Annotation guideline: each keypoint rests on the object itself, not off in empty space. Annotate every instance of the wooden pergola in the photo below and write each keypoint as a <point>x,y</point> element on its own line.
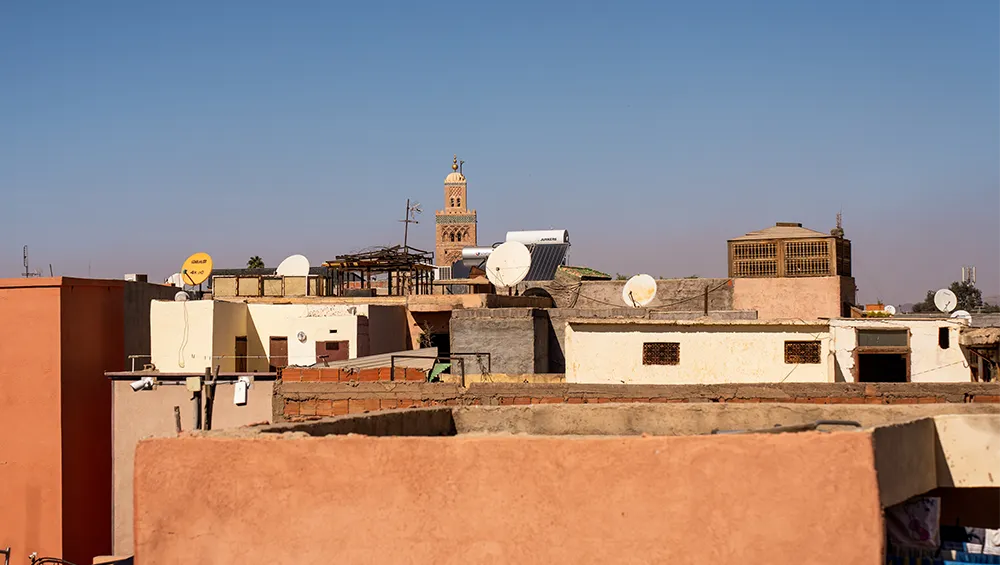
<point>408,270</point>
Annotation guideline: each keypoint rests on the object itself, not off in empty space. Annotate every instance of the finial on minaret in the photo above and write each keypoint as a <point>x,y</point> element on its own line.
<point>454,163</point>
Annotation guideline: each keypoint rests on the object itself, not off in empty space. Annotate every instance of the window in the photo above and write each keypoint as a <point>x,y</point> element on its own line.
<point>883,338</point>
<point>459,201</point>
<point>944,339</point>
<point>452,202</point>
<point>661,353</point>
<point>453,237</point>
<point>802,352</point>
<point>459,238</point>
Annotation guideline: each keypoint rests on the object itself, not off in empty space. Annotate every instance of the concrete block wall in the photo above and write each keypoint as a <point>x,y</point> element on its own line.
<point>301,400</point>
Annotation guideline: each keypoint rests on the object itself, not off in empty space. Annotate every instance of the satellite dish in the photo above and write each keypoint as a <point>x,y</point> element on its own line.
<point>945,300</point>
<point>301,336</point>
<point>175,280</point>
<point>196,269</point>
<point>639,291</point>
<point>890,309</point>
<point>294,266</point>
<point>962,314</point>
<point>508,264</point>
<point>181,296</point>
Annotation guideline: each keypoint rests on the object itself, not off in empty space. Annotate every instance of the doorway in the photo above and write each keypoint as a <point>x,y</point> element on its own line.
<point>241,354</point>
<point>278,353</point>
<point>882,368</point>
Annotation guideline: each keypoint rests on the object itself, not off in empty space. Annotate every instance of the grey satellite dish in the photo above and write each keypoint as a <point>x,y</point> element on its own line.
<point>890,309</point>
<point>181,296</point>
<point>293,266</point>
<point>639,291</point>
<point>508,264</point>
<point>945,300</point>
<point>962,314</point>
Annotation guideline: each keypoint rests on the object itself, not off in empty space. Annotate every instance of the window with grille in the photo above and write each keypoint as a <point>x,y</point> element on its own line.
<point>661,353</point>
<point>755,259</point>
<point>802,352</point>
<point>807,258</point>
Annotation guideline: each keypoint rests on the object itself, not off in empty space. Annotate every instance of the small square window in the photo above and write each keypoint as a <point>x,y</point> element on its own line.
<point>661,353</point>
<point>802,352</point>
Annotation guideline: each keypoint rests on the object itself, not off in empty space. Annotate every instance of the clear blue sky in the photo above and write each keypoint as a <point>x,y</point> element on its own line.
<point>134,133</point>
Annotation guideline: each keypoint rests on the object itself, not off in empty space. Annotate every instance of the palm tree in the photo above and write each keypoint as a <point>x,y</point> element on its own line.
<point>255,262</point>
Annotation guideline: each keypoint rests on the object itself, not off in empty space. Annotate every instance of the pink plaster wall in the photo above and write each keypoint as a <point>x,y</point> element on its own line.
<point>793,297</point>
<point>776,499</point>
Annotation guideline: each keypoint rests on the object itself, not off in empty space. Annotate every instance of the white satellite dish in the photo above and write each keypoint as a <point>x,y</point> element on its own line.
<point>175,280</point>
<point>962,314</point>
<point>639,291</point>
<point>890,309</point>
<point>301,336</point>
<point>181,296</point>
<point>945,300</point>
<point>508,264</point>
<point>294,266</point>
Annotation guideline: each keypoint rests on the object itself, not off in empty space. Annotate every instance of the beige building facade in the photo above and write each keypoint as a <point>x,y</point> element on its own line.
<point>642,351</point>
<point>455,226</point>
<point>237,336</point>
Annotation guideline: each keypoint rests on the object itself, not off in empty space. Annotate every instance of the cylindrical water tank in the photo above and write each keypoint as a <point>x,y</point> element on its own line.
<point>476,252</point>
<point>539,236</point>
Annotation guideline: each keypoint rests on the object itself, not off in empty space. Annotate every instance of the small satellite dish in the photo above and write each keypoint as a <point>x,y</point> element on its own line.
<point>962,314</point>
<point>294,266</point>
<point>196,269</point>
<point>639,291</point>
<point>945,300</point>
<point>890,309</point>
<point>508,264</point>
<point>181,296</point>
<point>175,280</point>
<point>301,336</point>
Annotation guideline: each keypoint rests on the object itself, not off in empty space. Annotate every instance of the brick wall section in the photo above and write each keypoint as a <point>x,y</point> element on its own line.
<point>331,375</point>
<point>302,400</point>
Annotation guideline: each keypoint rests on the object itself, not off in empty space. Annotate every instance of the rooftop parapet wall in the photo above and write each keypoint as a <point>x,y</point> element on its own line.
<point>301,400</point>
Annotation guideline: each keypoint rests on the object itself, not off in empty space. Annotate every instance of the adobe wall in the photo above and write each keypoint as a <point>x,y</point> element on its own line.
<point>299,400</point>
<point>30,421</point>
<point>150,413</point>
<point>504,499</point>
<point>93,341</point>
<point>676,295</point>
<point>793,297</point>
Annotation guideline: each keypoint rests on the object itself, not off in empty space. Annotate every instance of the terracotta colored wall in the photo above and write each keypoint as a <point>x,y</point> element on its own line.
<point>777,499</point>
<point>150,413</point>
<point>59,336</point>
<point>93,341</point>
<point>793,297</point>
<point>30,421</point>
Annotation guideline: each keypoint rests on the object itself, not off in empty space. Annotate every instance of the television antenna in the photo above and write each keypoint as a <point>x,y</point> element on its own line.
<point>945,300</point>
<point>890,309</point>
<point>508,264</point>
<point>409,218</point>
<point>293,266</point>
<point>639,291</point>
<point>28,273</point>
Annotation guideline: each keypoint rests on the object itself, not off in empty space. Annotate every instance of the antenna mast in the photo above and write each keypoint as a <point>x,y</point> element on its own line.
<point>409,218</point>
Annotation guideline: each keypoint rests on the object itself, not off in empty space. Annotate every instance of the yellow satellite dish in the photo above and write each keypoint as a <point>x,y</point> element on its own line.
<point>196,269</point>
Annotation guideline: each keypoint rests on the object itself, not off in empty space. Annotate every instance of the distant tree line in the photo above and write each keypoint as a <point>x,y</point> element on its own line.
<point>969,297</point>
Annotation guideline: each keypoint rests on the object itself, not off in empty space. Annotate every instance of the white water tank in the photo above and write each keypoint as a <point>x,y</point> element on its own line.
<point>539,236</point>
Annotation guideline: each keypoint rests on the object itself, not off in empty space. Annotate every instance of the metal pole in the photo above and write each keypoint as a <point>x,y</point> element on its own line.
<point>210,397</point>
<point>706,301</point>
<point>406,224</point>
<point>392,367</point>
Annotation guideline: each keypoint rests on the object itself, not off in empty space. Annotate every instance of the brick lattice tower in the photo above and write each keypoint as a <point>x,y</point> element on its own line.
<point>455,226</point>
